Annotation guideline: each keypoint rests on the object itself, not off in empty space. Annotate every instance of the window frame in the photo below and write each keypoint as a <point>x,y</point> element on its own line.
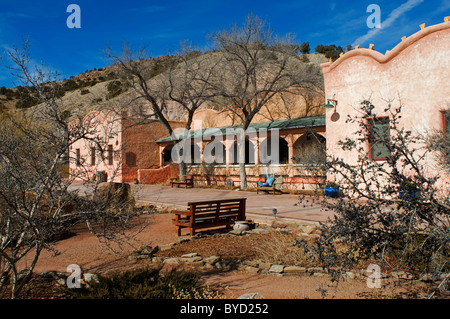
<point>110,156</point>
<point>445,125</point>
<point>370,141</point>
<point>78,157</point>
<point>93,157</point>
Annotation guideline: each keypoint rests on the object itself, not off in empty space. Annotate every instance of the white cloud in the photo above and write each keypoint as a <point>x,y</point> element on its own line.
<point>393,16</point>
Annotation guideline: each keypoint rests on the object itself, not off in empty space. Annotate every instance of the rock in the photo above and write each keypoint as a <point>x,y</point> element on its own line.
<point>294,270</point>
<point>320,274</point>
<point>316,270</point>
<point>276,268</point>
<point>251,295</point>
<point>308,229</point>
<point>402,275</point>
<point>276,224</point>
<point>260,231</point>
<point>157,259</point>
<point>223,265</point>
<point>211,260</point>
<point>349,275</point>
<point>88,277</point>
<point>264,266</point>
<point>237,232</point>
<point>166,247</point>
<point>172,261</point>
<point>148,250</point>
<point>191,259</point>
<point>199,263</point>
<point>189,255</point>
<point>248,268</point>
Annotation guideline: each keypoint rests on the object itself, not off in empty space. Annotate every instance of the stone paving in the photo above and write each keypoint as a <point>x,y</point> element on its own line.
<point>259,206</point>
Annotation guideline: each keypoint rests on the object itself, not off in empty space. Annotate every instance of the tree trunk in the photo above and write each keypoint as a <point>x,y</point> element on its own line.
<point>182,168</point>
<point>242,176</point>
<point>241,159</point>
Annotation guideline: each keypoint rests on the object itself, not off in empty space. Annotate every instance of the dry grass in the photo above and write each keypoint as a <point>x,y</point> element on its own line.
<point>280,249</point>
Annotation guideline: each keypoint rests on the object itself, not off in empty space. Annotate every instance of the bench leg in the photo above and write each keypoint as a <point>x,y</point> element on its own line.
<point>192,231</point>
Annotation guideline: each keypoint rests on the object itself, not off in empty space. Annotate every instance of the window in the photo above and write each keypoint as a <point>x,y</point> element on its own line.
<point>274,150</point>
<point>446,121</point>
<point>379,138</point>
<point>78,157</point>
<point>130,159</point>
<point>110,155</point>
<point>92,155</point>
<point>249,152</point>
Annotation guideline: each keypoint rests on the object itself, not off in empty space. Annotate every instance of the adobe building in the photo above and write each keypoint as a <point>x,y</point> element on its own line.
<point>300,147</point>
<point>118,150</point>
<point>415,73</point>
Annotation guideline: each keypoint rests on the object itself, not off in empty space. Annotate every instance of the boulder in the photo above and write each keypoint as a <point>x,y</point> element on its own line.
<point>294,270</point>
<point>211,260</point>
<point>172,261</point>
<point>190,255</point>
<point>251,295</point>
<point>276,268</point>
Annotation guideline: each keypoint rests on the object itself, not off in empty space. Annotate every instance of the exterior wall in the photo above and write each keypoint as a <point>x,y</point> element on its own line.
<point>415,72</point>
<point>290,106</point>
<point>140,150</point>
<point>134,147</point>
<point>105,127</point>
<point>295,176</point>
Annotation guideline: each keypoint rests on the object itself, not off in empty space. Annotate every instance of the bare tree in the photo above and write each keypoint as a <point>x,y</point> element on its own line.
<point>255,65</point>
<point>391,212</point>
<point>36,205</point>
<point>439,143</point>
<point>182,84</point>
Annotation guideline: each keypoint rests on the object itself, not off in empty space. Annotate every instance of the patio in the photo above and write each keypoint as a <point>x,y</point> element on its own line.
<point>259,206</point>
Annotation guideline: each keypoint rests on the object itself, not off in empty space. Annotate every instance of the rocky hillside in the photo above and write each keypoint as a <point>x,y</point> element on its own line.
<point>95,88</point>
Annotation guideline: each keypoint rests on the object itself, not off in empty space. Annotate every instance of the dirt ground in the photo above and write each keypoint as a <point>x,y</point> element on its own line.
<point>83,249</point>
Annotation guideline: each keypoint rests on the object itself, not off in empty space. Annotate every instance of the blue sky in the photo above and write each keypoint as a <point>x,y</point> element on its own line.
<point>161,25</point>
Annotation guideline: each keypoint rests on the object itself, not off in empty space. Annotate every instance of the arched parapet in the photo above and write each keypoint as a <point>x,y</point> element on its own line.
<point>390,54</point>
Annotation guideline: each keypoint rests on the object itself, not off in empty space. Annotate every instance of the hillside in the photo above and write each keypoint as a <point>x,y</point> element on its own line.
<point>98,88</point>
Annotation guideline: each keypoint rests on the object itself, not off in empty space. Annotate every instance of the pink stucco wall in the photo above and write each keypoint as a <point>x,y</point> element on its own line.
<point>105,127</point>
<point>134,147</point>
<point>415,73</point>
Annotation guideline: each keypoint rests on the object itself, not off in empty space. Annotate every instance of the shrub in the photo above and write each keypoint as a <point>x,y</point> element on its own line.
<point>279,249</point>
<point>146,283</point>
<point>114,88</point>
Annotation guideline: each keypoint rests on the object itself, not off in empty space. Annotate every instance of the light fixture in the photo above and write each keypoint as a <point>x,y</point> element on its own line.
<point>331,103</point>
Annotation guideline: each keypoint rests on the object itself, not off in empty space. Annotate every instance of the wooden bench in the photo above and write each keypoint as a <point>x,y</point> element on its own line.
<point>276,186</point>
<point>209,214</point>
<point>182,180</point>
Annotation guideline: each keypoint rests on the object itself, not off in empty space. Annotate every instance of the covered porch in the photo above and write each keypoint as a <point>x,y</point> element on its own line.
<point>292,148</point>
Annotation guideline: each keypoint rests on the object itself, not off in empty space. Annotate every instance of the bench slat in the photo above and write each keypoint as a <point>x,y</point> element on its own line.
<point>211,213</point>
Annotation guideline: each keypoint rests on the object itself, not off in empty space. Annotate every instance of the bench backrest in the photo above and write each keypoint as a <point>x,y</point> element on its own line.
<point>278,182</point>
<point>216,209</point>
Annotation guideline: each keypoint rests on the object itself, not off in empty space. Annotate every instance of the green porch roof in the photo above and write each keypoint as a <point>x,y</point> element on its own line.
<point>302,122</point>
